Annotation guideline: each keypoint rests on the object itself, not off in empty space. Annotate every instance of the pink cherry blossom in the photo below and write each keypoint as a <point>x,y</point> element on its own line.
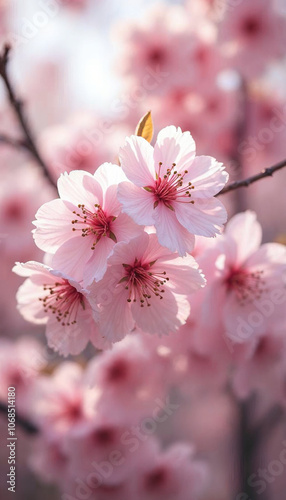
<point>154,50</point>
<point>263,369</point>
<point>22,191</point>
<point>49,460</point>
<point>172,189</point>
<point>247,293</point>
<point>20,365</point>
<point>91,448</point>
<point>171,474</point>
<point>118,373</point>
<point>52,298</point>
<point>77,144</point>
<point>83,226</point>
<point>62,402</point>
<point>145,285</point>
<point>254,34</point>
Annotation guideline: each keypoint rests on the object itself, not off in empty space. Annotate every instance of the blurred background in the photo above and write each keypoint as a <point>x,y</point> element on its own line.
<point>87,71</point>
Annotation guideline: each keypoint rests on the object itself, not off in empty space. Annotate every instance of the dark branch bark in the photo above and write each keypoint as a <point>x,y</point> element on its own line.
<point>267,172</point>
<point>25,424</point>
<point>14,143</point>
<point>17,105</point>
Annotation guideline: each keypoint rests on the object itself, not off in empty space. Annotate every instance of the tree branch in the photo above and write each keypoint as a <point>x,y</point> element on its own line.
<point>14,143</point>
<point>17,105</point>
<point>23,422</point>
<point>267,172</point>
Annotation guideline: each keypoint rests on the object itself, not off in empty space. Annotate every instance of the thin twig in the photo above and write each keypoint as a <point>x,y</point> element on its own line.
<point>17,105</point>
<point>267,172</point>
<point>14,143</point>
<point>25,424</point>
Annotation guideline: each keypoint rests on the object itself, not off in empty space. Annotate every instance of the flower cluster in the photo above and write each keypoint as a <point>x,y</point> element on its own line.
<point>118,244</point>
<point>139,259</point>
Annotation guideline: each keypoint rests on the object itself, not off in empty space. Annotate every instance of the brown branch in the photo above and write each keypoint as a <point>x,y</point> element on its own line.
<point>14,143</point>
<point>17,105</point>
<point>25,424</point>
<point>267,172</point>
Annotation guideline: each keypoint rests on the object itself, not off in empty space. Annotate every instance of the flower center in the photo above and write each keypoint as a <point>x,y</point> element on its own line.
<point>104,436</point>
<point>95,224</point>
<point>156,479</point>
<point>63,300</point>
<point>117,371</point>
<point>251,26</point>
<point>142,284</point>
<point>170,187</point>
<point>157,55</point>
<point>248,286</point>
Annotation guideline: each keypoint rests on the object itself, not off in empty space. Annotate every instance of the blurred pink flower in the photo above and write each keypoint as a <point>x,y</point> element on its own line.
<point>77,144</point>
<point>84,225</point>
<point>262,370</point>
<point>247,293</point>
<point>145,285</point>
<point>22,192</point>
<point>154,51</point>
<point>119,373</point>
<point>49,460</point>
<point>52,298</point>
<point>172,189</point>
<point>62,402</point>
<point>253,34</point>
<point>171,474</point>
<point>20,365</point>
<point>112,450</point>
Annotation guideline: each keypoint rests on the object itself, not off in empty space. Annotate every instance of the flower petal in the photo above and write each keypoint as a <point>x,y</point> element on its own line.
<point>174,146</point>
<point>184,275</point>
<point>207,175</point>
<point>79,186</point>
<point>68,339</point>
<point>96,266</point>
<point>204,217</point>
<point>116,320</point>
<point>246,232</point>
<point>161,317</point>
<point>53,225</point>
<point>136,159</point>
<point>170,232</point>
<point>71,258</point>
<point>137,203</point>
<point>109,174</point>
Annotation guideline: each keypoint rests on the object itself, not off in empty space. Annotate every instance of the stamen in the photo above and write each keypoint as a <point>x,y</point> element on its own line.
<point>95,223</point>
<point>248,286</point>
<point>142,283</point>
<point>170,187</point>
<point>64,301</point>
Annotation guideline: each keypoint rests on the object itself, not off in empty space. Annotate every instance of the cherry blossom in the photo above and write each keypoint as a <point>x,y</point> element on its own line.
<point>262,370</point>
<point>247,292</point>
<point>85,223</point>
<point>172,189</point>
<point>144,285</point>
<point>20,365</point>
<point>52,298</point>
<point>253,33</point>
<point>171,474</point>
<point>62,402</point>
<point>119,373</point>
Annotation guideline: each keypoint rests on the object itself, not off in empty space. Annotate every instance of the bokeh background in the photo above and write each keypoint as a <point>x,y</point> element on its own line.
<point>87,71</point>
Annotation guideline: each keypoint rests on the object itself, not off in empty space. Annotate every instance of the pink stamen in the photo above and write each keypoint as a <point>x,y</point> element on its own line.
<point>248,286</point>
<point>142,283</point>
<point>64,301</point>
<point>95,224</point>
<point>170,187</point>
